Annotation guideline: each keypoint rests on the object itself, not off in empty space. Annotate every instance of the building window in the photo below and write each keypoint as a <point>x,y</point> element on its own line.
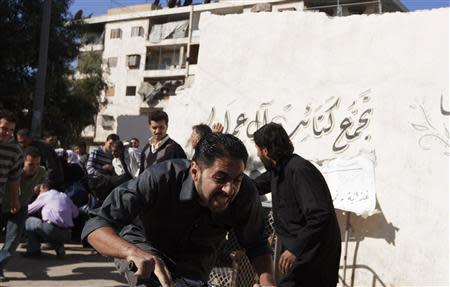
<point>137,31</point>
<point>287,9</point>
<point>133,61</point>
<point>111,62</point>
<point>116,33</point>
<point>110,91</point>
<point>131,91</point>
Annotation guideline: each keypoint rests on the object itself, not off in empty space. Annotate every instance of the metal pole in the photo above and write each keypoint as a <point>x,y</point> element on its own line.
<point>347,228</point>
<point>39,94</point>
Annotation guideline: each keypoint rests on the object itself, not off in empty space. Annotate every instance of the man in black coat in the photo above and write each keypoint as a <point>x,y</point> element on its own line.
<point>173,218</point>
<point>304,216</point>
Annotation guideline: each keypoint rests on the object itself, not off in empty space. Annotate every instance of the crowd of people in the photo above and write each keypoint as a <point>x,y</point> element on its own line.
<point>152,208</point>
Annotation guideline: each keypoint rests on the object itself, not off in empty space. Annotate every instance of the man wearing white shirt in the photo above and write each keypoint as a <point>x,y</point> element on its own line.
<point>126,160</point>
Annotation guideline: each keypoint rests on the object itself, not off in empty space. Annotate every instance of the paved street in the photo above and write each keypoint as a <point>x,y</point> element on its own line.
<point>81,267</point>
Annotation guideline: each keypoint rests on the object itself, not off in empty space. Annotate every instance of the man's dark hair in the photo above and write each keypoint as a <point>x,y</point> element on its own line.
<point>215,146</point>
<point>274,138</point>
<point>31,151</point>
<point>117,144</point>
<point>113,137</point>
<point>136,139</point>
<point>8,116</point>
<point>157,116</point>
<point>24,132</point>
<point>202,130</point>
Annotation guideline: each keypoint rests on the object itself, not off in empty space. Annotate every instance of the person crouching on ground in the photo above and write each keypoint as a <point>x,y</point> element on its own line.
<point>56,223</point>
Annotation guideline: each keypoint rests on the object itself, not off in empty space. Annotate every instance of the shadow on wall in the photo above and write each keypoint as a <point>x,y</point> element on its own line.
<point>133,126</point>
<point>375,226</point>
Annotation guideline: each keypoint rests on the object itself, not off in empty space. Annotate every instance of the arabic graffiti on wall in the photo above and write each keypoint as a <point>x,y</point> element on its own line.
<point>432,135</point>
<point>316,121</point>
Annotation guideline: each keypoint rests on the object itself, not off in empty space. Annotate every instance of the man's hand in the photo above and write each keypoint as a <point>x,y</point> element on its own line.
<point>106,241</point>
<point>217,128</point>
<point>147,263</point>
<point>15,204</point>
<point>37,189</point>
<point>287,259</point>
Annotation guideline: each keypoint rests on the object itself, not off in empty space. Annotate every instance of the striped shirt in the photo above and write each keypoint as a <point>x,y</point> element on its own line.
<point>11,162</point>
<point>97,159</point>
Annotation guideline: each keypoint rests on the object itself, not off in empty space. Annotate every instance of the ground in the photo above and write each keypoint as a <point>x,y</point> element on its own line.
<point>80,267</point>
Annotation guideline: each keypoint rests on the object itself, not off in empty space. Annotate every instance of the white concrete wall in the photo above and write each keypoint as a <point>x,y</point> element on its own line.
<point>378,82</point>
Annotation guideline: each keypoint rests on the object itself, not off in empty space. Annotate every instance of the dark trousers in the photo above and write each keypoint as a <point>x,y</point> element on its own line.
<point>38,230</point>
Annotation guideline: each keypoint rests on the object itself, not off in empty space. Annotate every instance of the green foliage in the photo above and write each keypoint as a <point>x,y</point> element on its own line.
<point>70,105</point>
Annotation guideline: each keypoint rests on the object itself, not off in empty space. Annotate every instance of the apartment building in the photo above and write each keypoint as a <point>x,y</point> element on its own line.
<point>150,53</point>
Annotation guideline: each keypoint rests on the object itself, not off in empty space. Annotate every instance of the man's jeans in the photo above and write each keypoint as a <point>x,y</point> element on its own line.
<point>15,224</point>
<point>38,230</point>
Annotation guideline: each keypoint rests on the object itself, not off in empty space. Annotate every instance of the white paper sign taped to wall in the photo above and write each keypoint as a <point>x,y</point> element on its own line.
<point>351,181</point>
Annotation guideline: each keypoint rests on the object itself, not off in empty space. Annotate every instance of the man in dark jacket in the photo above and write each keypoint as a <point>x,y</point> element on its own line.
<point>304,216</point>
<point>160,146</point>
<point>174,217</point>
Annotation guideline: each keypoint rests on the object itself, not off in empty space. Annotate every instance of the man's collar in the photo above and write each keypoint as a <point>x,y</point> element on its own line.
<point>188,191</point>
<point>279,166</point>
<point>158,144</point>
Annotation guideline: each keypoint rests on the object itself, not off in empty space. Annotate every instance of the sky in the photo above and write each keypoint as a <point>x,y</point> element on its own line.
<point>99,7</point>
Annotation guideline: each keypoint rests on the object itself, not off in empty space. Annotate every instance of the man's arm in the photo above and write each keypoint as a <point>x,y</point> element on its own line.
<point>13,189</point>
<point>263,182</point>
<point>120,208</point>
<point>14,176</point>
<point>106,241</point>
<point>90,165</point>
<point>36,205</point>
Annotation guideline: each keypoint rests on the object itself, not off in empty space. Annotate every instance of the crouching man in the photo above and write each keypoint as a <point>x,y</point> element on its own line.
<point>55,226</point>
<point>173,218</point>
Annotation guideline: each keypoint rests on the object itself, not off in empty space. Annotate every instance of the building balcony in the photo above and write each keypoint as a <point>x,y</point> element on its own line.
<point>166,73</point>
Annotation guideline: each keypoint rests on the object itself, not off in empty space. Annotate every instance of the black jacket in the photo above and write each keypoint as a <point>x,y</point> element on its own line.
<point>304,219</point>
<point>161,208</point>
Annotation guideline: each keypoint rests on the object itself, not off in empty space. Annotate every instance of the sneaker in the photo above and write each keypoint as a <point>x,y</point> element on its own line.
<point>60,251</point>
<point>33,254</point>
